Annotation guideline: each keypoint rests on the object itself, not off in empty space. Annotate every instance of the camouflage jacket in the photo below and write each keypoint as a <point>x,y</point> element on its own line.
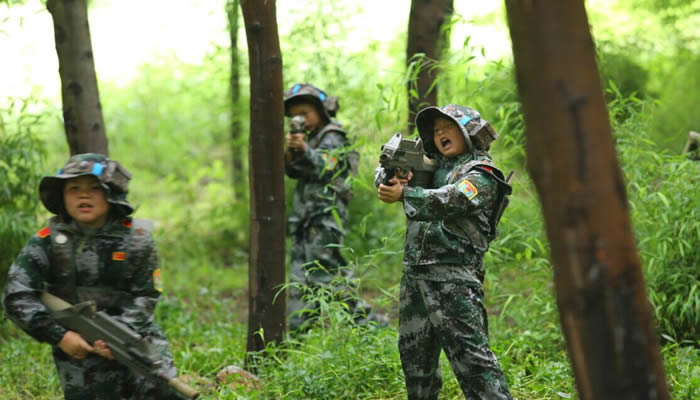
<point>450,224</point>
<point>106,265</point>
<point>321,173</point>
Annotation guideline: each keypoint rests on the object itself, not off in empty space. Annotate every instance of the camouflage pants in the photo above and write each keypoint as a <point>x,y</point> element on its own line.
<point>315,264</point>
<point>96,377</point>
<point>450,316</point>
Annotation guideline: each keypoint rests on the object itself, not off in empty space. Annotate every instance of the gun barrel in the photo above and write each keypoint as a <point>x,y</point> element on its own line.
<point>183,388</point>
<point>54,303</point>
<point>128,347</point>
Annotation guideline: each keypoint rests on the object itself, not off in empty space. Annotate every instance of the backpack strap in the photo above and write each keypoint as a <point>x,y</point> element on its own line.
<point>62,274</point>
<point>504,189</point>
<point>140,231</point>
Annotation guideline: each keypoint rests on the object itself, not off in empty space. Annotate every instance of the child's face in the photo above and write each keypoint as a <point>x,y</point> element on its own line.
<point>310,114</point>
<point>448,138</point>
<point>85,200</point>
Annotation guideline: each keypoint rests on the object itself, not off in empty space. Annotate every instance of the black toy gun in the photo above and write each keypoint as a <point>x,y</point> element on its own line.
<point>127,346</point>
<point>406,155</point>
<point>297,124</point>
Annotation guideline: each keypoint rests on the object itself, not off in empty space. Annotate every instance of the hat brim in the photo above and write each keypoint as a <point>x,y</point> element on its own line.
<point>424,122</point>
<point>305,98</point>
<point>51,194</point>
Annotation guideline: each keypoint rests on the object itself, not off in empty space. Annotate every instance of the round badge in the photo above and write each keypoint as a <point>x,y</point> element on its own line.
<point>61,238</point>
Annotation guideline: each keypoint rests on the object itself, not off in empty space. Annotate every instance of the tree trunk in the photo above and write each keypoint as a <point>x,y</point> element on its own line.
<point>232,11</point>
<point>266,161</point>
<point>426,37</point>
<point>82,112</point>
<point>604,312</point>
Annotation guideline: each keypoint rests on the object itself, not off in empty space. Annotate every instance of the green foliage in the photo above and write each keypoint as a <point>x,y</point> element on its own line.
<point>187,185</point>
<point>620,69</point>
<point>21,162</point>
<point>677,112</point>
<point>170,127</point>
<point>664,199</point>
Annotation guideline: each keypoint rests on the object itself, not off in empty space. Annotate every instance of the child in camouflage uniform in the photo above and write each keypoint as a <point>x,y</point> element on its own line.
<point>321,163</point>
<point>91,250</point>
<point>449,227</point>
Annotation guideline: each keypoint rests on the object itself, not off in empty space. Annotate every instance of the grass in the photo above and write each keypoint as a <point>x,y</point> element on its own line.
<point>203,313</point>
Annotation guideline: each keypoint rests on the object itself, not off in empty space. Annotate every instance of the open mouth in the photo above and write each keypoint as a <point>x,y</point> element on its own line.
<point>444,142</point>
<point>84,206</point>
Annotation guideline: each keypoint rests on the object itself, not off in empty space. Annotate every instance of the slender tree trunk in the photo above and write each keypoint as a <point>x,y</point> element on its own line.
<point>82,112</point>
<point>426,40</point>
<point>603,309</point>
<point>266,160</point>
<point>232,12</point>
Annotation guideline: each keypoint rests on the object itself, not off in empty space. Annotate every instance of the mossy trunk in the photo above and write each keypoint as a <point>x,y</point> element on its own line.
<point>604,312</point>
<point>82,112</point>
<point>266,267</point>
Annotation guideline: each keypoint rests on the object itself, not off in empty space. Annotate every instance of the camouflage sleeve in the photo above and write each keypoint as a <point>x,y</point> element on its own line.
<point>143,284</point>
<point>321,163</point>
<point>25,284</point>
<point>467,196</point>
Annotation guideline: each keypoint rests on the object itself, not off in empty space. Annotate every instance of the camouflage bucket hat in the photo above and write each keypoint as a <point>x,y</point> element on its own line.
<point>468,119</point>
<point>307,93</point>
<point>112,176</point>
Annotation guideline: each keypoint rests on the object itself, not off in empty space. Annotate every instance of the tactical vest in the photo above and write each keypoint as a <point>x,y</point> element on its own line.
<point>479,237</point>
<point>62,273</point>
<point>352,158</point>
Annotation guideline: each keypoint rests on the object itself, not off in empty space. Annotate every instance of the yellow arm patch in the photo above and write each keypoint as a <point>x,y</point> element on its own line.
<point>467,188</point>
<point>331,161</point>
<point>157,280</point>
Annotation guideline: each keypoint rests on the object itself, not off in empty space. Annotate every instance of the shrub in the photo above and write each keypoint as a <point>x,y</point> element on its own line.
<point>664,198</point>
<point>21,160</point>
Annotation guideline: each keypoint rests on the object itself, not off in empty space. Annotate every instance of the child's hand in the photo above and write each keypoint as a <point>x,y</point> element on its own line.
<point>403,181</point>
<point>75,346</point>
<point>296,142</point>
<point>393,192</point>
<point>102,350</point>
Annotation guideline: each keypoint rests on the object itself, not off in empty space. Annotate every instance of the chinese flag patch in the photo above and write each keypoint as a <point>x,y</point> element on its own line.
<point>467,188</point>
<point>127,223</point>
<point>118,256</point>
<point>44,232</point>
<point>157,280</point>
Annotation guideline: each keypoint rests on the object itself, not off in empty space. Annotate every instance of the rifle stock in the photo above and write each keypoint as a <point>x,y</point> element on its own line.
<point>127,346</point>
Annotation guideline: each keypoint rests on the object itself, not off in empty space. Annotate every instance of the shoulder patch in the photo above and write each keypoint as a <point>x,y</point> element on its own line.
<point>44,232</point>
<point>467,188</point>
<point>331,161</point>
<point>127,223</point>
<point>119,256</point>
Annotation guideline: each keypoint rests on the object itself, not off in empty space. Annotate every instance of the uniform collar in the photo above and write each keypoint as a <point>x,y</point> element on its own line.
<point>113,227</point>
<point>461,159</point>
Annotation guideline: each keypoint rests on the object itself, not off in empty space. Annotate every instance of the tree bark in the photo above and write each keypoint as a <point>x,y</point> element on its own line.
<point>266,160</point>
<point>232,12</point>
<point>604,312</point>
<point>426,36</point>
<point>82,112</point>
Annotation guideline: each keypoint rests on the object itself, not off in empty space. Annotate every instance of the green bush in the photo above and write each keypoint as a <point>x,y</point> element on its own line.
<point>664,198</point>
<point>21,163</point>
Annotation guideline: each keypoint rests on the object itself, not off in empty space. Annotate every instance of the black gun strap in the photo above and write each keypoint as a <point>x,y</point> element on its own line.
<point>140,230</point>
<point>63,280</point>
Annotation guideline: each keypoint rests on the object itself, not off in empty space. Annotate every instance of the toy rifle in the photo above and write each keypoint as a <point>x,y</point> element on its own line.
<point>406,155</point>
<point>297,124</point>
<point>127,347</point>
